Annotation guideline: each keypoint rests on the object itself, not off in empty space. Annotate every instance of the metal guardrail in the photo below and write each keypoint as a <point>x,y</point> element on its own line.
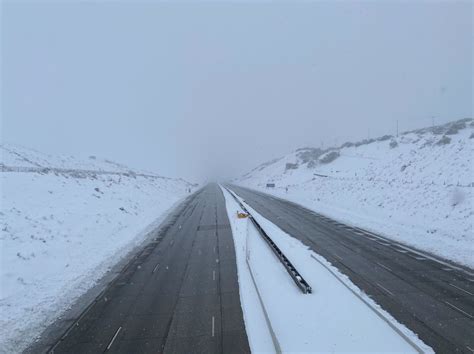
<point>290,268</point>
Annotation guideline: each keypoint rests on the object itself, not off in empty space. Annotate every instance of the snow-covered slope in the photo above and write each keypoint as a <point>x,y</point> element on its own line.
<point>63,228</point>
<point>13,155</point>
<point>416,188</point>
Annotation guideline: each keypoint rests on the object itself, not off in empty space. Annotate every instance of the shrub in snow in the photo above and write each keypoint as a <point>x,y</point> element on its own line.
<point>452,131</point>
<point>347,144</point>
<point>291,166</point>
<point>329,157</point>
<point>312,164</point>
<point>438,130</point>
<point>457,197</point>
<point>384,138</point>
<point>393,144</point>
<point>444,140</point>
<point>455,127</point>
<point>364,142</point>
<point>309,154</point>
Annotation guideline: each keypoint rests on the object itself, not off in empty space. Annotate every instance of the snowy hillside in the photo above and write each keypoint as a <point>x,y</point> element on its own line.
<point>62,227</point>
<point>416,188</point>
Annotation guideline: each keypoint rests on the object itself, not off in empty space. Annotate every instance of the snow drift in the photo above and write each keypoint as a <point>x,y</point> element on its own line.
<point>416,188</point>
<point>64,223</point>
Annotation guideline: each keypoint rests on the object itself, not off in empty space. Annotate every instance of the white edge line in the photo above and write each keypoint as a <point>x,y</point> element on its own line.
<point>113,338</point>
<point>457,287</point>
<point>406,248</point>
<point>385,289</point>
<point>338,256</point>
<point>213,326</point>
<point>384,266</point>
<point>460,310</point>
<point>154,269</point>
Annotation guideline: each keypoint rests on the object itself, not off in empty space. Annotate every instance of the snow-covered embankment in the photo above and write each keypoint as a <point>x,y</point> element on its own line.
<point>62,231</point>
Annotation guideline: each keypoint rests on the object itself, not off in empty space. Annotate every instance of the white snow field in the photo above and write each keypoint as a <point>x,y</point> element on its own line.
<point>417,188</point>
<point>61,230</point>
<point>330,319</point>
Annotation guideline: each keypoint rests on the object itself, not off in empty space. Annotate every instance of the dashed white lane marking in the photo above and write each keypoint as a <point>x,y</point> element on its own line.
<point>338,257</point>
<point>426,256</point>
<point>213,275</point>
<point>384,266</point>
<point>402,249</point>
<point>457,287</point>
<point>113,338</point>
<point>345,244</point>
<point>386,290</point>
<point>212,330</point>
<point>418,258</point>
<point>469,348</point>
<point>156,267</point>
<point>458,309</point>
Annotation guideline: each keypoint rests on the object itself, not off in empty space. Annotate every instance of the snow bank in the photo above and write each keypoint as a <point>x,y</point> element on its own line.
<point>331,319</point>
<point>61,232</point>
<point>417,188</point>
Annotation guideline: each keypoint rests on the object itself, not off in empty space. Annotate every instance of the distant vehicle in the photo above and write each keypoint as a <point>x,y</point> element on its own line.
<point>270,185</point>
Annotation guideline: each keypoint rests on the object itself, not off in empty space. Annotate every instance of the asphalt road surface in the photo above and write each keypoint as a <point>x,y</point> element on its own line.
<point>179,295</point>
<point>432,297</point>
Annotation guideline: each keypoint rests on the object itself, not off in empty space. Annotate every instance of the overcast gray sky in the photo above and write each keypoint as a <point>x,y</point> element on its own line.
<point>203,89</point>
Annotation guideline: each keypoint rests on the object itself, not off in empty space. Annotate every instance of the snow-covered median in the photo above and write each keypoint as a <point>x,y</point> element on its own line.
<point>331,319</point>
<point>417,188</point>
<point>60,233</point>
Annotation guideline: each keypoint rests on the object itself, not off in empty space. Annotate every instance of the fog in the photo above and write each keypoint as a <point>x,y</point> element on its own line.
<point>210,90</point>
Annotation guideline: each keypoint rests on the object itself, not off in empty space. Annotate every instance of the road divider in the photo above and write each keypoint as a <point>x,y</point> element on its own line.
<point>290,268</point>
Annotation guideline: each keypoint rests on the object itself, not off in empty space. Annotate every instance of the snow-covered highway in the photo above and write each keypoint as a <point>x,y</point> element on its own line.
<point>190,289</point>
